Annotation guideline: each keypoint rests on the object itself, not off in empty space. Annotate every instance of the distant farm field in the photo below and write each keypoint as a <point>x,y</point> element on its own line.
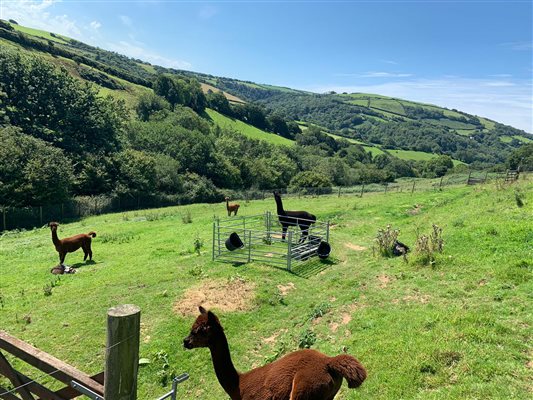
<point>250,131</point>
<point>459,329</point>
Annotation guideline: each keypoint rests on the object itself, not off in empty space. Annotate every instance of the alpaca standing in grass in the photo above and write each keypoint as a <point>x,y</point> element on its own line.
<point>231,207</point>
<point>71,244</point>
<point>304,374</point>
<point>303,219</point>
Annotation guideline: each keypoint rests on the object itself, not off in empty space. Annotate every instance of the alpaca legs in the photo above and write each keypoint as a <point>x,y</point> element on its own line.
<point>305,233</point>
<point>62,258</point>
<point>311,384</point>
<point>284,232</point>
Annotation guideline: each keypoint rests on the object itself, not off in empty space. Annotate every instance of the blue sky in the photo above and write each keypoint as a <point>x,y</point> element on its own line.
<point>472,55</point>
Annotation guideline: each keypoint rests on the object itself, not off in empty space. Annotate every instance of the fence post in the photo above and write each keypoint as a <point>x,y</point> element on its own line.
<point>122,352</point>
<point>41,215</point>
<point>4,218</point>
<point>386,187</point>
<point>213,256</point>
<point>362,190</point>
<point>289,250</point>
<point>249,245</point>
<point>413,189</point>
<point>468,179</point>
<point>339,191</point>
<point>440,183</point>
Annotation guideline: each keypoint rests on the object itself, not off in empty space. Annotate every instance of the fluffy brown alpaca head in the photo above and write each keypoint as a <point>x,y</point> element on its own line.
<point>204,329</point>
<point>53,226</point>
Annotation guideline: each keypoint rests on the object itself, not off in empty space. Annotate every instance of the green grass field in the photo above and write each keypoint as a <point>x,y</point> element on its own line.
<point>508,139</point>
<point>246,129</point>
<point>40,33</point>
<point>460,329</point>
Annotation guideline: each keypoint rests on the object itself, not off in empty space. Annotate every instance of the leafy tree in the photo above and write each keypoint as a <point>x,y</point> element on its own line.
<point>522,157</point>
<point>136,172</point>
<point>311,180</point>
<point>150,103</point>
<point>31,171</point>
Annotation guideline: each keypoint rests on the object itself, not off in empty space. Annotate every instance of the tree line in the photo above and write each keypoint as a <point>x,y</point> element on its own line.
<point>59,139</point>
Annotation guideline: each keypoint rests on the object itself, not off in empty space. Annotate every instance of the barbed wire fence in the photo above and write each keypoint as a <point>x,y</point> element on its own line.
<point>12,218</point>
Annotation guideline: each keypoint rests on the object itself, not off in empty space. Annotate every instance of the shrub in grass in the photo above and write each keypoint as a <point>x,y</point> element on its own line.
<point>307,339</point>
<point>386,239</point>
<point>320,310</point>
<point>187,217</point>
<point>427,246</point>
<point>198,244</point>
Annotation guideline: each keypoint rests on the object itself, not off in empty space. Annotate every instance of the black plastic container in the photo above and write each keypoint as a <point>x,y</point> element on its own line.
<point>234,242</point>
<point>323,250</point>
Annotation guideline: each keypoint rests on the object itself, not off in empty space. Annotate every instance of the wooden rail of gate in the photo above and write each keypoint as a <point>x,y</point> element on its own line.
<point>52,366</point>
<point>119,379</point>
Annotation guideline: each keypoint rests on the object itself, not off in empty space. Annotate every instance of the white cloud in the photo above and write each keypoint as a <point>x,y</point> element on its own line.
<point>508,102</point>
<point>95,25</point>
<point>519,46</point>
<point>138,50</point>
<point>376,74</point>
<point>37,15</point>
<point>126,20</point>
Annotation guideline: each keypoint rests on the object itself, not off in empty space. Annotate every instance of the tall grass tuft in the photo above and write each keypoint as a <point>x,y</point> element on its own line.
<point>427,246</point>
<point>385,240</point>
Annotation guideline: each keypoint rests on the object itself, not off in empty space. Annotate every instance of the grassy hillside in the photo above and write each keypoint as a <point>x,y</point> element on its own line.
<point>460,329</point>
<point>248,130</point>
<point>342,114</point>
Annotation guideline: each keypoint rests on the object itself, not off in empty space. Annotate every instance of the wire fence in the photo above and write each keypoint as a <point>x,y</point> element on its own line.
<point>30,217</point>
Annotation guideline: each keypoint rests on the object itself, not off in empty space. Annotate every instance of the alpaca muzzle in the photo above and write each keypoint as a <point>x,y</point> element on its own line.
<point>187,343</point>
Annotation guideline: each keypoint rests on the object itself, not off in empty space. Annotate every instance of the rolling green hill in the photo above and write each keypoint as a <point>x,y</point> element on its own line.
<point>246,129</point>
<point>369,118</point>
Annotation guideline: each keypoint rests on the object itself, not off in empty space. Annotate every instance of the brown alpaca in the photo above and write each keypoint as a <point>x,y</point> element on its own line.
<point>303,374</point>
<point>231,207</point>
<point>71,244</point>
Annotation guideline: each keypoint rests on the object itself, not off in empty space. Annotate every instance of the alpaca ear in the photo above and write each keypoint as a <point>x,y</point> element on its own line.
<point>212,318</point>
<point>202,310</point>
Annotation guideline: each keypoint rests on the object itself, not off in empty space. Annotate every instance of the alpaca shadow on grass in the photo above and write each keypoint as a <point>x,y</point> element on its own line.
<point>84,263</point>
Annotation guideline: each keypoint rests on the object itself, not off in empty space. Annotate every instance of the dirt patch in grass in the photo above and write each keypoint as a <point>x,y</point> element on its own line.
<point>384,281</point>
<point>284,289</point>
<point>415,210</point>
<point>355,247</point>
<point>220,295</point>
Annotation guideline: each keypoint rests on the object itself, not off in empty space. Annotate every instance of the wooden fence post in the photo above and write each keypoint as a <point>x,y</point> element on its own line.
<point>41,215</point>
<point>362,189</point>
<point>122,352</point>
<point>339,191</point>
<point>4,218</point>
<point>440,183</point>
<point>413,189</point>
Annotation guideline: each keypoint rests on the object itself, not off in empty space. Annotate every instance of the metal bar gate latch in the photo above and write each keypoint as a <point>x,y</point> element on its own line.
<point>87,392</point>
<point>175,382</point>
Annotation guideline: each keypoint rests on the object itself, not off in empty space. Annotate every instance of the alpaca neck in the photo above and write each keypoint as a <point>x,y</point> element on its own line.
<point>279,205</point>
<point>227,204</point>
<point>225,371</point>
<point>55,238</point>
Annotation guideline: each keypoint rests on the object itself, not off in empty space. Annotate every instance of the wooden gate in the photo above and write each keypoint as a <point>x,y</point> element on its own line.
<point>27,388</point>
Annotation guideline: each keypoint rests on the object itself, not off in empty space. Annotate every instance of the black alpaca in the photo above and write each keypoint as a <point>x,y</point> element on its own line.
<point>303,219</point>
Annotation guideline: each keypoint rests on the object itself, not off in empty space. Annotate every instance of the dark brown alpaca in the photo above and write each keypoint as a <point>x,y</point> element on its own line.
<point>303,219</point>
<point>231,207</point>
<point>71,244</point>
<point>303,374</point>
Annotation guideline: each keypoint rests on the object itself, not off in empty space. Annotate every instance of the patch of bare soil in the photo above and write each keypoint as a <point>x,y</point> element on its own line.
<point>221,295</point>
<point>415,210</point>
<point>355,247</point>
<point>384,281</point>
<point>284,289</point>
<point>346,317</point>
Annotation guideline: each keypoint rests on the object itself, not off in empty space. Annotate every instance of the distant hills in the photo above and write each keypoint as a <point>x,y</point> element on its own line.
<point>381,124</point>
